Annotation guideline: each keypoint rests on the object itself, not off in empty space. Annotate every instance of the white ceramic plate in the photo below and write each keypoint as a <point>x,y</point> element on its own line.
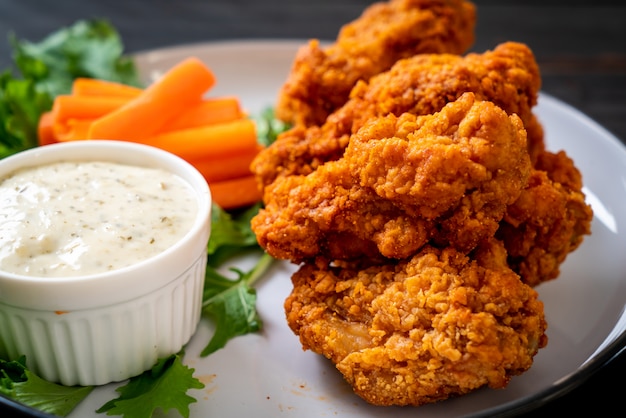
<point>268,374</point>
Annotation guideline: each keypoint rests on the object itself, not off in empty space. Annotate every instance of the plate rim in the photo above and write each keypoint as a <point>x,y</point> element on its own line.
<point>565,385</point>
<point>526,404</point>
<point>576,377</point>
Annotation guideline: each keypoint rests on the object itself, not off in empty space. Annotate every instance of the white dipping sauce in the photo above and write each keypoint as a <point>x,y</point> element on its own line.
<point>79,218</point>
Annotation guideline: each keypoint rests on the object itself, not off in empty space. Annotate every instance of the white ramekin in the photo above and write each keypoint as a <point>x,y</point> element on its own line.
<point>107,327</point>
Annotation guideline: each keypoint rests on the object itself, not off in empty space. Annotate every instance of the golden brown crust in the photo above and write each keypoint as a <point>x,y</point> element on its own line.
<point>321,78</point>
<point>437,325</point>
<point>422,209</point>
<point>548,221</point>
<point>508,76</point>
<point>403,181</point>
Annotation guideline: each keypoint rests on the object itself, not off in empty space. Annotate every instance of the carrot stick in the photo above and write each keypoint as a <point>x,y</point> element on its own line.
<point>177,90</point>
<point>209,142</point>
<point>229,167</point>
<point>101,88</point>
<point>82,107</point>
<point>207,112</point>
<point>72,129</point>
<point>236,193</point>
<point>45,132</point>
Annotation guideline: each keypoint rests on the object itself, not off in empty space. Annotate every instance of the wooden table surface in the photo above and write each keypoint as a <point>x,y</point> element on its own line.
<point>578,44</point>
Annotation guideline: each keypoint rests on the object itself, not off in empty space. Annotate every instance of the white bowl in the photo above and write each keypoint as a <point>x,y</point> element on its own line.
<point>106,327</point>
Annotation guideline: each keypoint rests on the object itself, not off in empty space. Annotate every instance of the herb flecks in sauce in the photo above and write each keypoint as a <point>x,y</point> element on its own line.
<point>75,218</point>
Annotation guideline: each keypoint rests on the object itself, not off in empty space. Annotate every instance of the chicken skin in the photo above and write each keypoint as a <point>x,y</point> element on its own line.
<point>403,181</point>
<point>321,78</point>
<point>507,76</point>
<point>436,325</point>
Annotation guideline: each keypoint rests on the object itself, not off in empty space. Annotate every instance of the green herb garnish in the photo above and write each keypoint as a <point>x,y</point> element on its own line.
<point>269,127</point>
<point>88,48</point>
<point>92,48</point>
<point>230,234</point>
<point>43,70</point>
<point>163,387</point>
<point>231,304</point>
<point>18,383</point>
<point>21,105</point>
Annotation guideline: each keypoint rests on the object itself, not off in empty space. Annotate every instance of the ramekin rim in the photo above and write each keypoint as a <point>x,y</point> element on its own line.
<point>166,159</point>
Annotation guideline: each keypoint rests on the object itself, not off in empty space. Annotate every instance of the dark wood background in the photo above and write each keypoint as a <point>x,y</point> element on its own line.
<point>579,45</point>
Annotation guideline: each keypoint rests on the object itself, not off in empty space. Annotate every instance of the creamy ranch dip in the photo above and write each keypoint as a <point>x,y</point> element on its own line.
<point>77,218</point>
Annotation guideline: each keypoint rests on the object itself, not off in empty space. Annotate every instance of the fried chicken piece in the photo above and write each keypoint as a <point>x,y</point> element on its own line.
<point>548,221</point>
<point>321,78</point>
<point>508,76</point>
<point>403,181</point>
<point>421,330</point>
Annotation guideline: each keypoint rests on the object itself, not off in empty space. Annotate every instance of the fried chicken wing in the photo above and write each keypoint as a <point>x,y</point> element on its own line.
<point>418,197</point>
<point>423,84</point>
<point>321,78</point>
<point>402,182</point>
<point>548,221</point>
<point>421,330</point>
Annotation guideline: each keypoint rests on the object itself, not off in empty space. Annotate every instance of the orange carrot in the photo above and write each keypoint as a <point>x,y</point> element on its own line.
<point>235,193</point>
<point>177,90</point>
<point>209,142</point>
<point>72,129</point>
<point>101,88</point>
<point>207,112</point>
<point>229,167</point>
<point>45,132</point>
<point>82,107</point>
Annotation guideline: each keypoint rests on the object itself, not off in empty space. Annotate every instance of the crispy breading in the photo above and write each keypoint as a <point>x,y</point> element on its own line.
<point>321,77</point>
<point>421,330</point>
<point>548,221</point>
<point>422,210</point>
<point>508,76</point>
<point>402,182</point>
